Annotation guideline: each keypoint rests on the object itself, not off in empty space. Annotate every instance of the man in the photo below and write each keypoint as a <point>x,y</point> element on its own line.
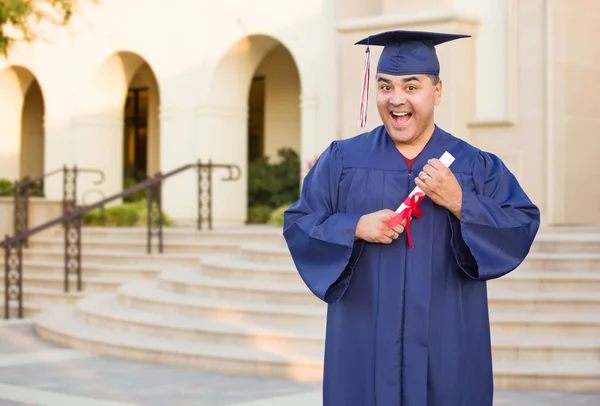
<point>408,326</point>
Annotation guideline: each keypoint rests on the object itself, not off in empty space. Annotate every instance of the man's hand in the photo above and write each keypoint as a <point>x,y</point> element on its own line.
<point>373,227</point>
<point>441,186</point>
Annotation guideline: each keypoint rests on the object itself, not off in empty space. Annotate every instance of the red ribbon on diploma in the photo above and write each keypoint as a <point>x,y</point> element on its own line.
<point>412,209</point>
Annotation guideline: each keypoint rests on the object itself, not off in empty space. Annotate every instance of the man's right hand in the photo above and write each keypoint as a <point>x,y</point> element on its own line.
<point>373,227</point>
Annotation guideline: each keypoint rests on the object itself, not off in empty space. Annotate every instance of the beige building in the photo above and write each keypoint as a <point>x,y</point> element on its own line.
<point>145,85</point>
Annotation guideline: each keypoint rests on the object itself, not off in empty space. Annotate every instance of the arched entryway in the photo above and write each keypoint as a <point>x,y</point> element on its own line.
<point>118,128</point>
<point>21,124</point>
<point>254,114</point>
<point>273,134</point>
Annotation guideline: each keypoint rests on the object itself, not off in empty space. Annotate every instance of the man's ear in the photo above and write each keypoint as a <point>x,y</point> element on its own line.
<point>438,93</point>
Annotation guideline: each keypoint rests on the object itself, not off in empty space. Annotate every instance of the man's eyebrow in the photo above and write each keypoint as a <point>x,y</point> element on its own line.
<point>405,80</point>
<point>410,79</point>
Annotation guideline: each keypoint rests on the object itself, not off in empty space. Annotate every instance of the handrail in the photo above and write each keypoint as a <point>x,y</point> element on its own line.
<point>145,184</point>
<point>26,182</point>
<point>21,193</point>
<point>72,217</point>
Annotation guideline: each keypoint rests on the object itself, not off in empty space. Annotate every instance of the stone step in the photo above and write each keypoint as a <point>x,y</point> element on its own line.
<point>266,253</point>
<point>546,282</point>
<point>193,282</point>
<point>63,327</point>
<point>95,270</point>
<point>546,376</point>
<point>145,295</point>
<point>139,246</point>
<point>30,309</point>
<point>112,257</point>
<point>562,261</point>
<point>535,261</point>
<point>48,297</point>
<point>574,240</point>
<point>106,311</point>
<point>525,324</point>
<point>261,233</point>
<point>526,349</point>
<point>56,283</point>
<point>544,302</point>
<point>242,269</point>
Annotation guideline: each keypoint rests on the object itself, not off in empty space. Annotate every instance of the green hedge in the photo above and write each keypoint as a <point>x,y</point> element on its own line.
<point>272,185</point>
<point>276,217</point>
<point>124,215</point>
<point>35,190</point>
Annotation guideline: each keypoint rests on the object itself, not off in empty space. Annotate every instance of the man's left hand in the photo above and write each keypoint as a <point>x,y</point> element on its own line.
<point>441,186</point>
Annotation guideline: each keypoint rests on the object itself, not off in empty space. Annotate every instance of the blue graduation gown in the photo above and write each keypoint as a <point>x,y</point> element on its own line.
<point>407,326</point>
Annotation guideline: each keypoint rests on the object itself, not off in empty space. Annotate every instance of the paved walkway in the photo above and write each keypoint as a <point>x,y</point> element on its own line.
<point>36,373</point>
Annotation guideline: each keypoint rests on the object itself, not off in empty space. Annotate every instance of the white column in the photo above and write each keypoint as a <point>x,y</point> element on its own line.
<point>177,148</point>
<point>308,122</point>
<point>98,144</point>
<point>223,138</point>
<point>59,150</point>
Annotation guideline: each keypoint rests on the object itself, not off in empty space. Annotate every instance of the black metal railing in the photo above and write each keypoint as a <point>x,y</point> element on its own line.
<point>72,220</point>
<point>21,192</point>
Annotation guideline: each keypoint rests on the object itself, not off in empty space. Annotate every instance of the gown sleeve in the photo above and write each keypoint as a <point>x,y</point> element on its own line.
<point>498,222</point>
<point>320,239</point>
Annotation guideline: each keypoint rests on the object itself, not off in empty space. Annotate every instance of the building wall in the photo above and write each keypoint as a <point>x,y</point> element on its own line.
<point>572,108</point>
<point>522,87</point>
<point>202,57</point>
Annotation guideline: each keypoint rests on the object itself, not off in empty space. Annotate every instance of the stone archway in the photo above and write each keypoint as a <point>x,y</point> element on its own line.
<point>273,124</point>
<point>21,124</point>
<point>254,111</point>
<point>118,126</point>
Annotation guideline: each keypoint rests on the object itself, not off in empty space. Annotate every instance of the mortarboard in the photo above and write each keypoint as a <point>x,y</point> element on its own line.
<point>404,53</point>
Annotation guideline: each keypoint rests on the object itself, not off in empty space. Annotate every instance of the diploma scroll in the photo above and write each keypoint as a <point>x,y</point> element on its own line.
<point>409,207</point>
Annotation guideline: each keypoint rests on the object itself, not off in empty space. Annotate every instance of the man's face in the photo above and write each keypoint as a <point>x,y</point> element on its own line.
<point>406,104</point>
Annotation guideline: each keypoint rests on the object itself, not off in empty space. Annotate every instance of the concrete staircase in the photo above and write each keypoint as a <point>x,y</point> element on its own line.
<point>243,309</point>
<point>112,257</point>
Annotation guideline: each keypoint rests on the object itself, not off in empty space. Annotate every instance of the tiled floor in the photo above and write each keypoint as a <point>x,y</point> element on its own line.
<point>35,370</point>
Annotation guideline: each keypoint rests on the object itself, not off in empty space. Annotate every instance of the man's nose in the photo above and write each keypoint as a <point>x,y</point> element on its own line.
<point>398,98</point>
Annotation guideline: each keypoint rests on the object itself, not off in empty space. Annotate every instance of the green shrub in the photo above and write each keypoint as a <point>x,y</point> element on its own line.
<point>276,218</point>
<point>272,184</point>
<point>35,189</point>
<point>259,214</point>
<point>124,215</point>
<point>5,185</point>
<point>134,197</point>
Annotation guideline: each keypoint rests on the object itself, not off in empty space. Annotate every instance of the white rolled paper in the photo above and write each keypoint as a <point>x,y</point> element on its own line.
<point>447,160</point>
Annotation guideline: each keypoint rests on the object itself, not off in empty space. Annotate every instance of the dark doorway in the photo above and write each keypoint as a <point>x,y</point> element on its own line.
<point>256,119</point>
<point>135,136</point>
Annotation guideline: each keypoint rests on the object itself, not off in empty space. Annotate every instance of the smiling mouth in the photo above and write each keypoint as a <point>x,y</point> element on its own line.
<point>400,118</point>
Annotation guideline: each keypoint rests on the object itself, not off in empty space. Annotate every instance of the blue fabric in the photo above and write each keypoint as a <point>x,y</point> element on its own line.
<point>407,326</point>
<point>408,52</point>
<point>409,58</point>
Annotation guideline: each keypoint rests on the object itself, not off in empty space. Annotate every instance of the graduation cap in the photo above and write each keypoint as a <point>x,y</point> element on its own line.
<point>404,53</point>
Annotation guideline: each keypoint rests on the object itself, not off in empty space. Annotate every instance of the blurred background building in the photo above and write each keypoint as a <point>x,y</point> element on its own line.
<point>135,87</point>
